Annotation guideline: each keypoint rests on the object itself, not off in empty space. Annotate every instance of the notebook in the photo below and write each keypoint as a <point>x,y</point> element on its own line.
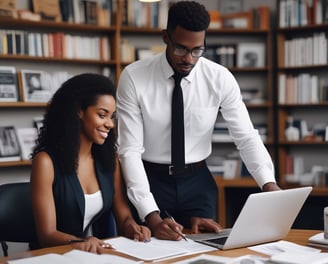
<point>265,217</point>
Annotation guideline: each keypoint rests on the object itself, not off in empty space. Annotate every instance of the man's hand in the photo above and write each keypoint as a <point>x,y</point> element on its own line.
<point>270,186</point>
<point>168,229</point>
<point>164,229</point>
<point>204,224</point>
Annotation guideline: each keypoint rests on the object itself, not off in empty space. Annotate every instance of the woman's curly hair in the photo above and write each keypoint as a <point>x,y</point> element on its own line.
<point>60,133</point>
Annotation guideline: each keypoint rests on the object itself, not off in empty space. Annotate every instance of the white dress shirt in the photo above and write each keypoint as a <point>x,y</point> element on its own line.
<point>144,122</point>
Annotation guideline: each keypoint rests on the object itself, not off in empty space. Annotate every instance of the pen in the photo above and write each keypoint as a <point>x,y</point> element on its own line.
<point>75,241</point>
<point>172,219</point>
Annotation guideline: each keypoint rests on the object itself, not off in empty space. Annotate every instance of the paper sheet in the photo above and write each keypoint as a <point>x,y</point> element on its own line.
<point>156,248</point>
<point>73,257</point>
<point>280,247</point>
<point>210,259</point>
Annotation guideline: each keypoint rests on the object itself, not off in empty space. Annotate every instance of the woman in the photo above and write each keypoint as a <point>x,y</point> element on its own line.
<point>75,169</point>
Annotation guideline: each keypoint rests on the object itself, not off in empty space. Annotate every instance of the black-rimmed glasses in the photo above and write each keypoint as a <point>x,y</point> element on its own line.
<point>182,51</point>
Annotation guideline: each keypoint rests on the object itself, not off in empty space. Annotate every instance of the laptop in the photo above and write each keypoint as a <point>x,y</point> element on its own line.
<point>265,217</point>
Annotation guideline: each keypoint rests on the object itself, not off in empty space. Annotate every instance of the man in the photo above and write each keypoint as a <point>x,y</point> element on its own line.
<point>144,96</point>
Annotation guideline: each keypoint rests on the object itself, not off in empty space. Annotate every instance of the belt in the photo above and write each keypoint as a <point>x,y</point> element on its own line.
<point>171,170</point>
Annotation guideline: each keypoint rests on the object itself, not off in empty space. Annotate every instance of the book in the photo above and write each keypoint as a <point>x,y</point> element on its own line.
<point>9,146</point>
<point>90,12</point>
<point>8,84</point>
<point>26,139</point>
<point>318,240</point>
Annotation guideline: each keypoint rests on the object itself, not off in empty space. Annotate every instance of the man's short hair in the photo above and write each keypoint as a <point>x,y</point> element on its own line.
<point>190,15</point>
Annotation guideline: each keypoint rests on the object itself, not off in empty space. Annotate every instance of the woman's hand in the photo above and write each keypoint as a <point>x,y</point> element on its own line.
<point>137,232</point>
<point>91,244</point>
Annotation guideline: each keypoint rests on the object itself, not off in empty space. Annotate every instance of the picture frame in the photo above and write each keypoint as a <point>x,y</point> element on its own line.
<point>9,146</point>
<point>251,55</point>
<point>35,86</point>
<point>8,84</point>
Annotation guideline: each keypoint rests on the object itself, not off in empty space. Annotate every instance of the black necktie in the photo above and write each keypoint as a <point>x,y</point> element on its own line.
<point>178,140</point>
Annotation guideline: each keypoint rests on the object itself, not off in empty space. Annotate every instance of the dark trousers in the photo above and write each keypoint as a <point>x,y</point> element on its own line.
<point>193,194</point>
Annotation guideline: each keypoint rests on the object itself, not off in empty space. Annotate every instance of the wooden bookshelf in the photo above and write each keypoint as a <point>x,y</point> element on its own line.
<point>309,105</point>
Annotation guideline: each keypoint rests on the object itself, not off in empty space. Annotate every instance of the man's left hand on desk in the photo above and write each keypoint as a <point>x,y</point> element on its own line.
<point>199,224</point>
<point>270,186</point>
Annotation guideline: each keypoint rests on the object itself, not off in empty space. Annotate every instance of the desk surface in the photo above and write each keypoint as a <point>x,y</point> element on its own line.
<point>296,235</point>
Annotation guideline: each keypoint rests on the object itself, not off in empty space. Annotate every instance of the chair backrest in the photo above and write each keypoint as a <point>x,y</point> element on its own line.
<point>16,215</point>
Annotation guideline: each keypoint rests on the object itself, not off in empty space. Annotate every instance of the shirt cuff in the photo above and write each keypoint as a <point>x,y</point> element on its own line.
<point>263,176</point>
<point>146,206</point>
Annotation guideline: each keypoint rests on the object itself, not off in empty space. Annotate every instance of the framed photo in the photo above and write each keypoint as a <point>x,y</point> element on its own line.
<point>9,146</point>
<point>230,6</point>
<point>251,55</point>
<point>8,84</point>
<point>35,86</point>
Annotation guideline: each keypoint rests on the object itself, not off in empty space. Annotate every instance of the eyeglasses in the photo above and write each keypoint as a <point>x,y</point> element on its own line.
<point>183,51</point>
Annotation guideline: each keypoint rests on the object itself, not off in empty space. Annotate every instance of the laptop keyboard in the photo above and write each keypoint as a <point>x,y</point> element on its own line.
<point>213,238</point>
<point>219,240</point>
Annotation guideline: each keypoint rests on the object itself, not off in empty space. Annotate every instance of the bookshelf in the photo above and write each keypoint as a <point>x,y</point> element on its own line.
<point>21,113</point>
<point>255,82</point>
<point>141,36</point>
<point>302,96</point>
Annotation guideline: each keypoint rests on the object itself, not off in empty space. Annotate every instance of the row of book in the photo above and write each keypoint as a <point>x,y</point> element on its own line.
<point>256,18</point>
<point>221,132</point>
<point>294,13</point>
<point>56,45</point>
<point>29,85</point>
<point>17,143</point>
<point>93,12</point>
<point>229,166</point>
<point>129,52</point>
<point>311,50</point>
<point>303,88</point>
<point>295,172</point>
<point>140,14</point>
<point>242,55</point>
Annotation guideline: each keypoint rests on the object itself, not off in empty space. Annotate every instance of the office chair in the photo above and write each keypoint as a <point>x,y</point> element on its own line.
<point>16,216</point>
